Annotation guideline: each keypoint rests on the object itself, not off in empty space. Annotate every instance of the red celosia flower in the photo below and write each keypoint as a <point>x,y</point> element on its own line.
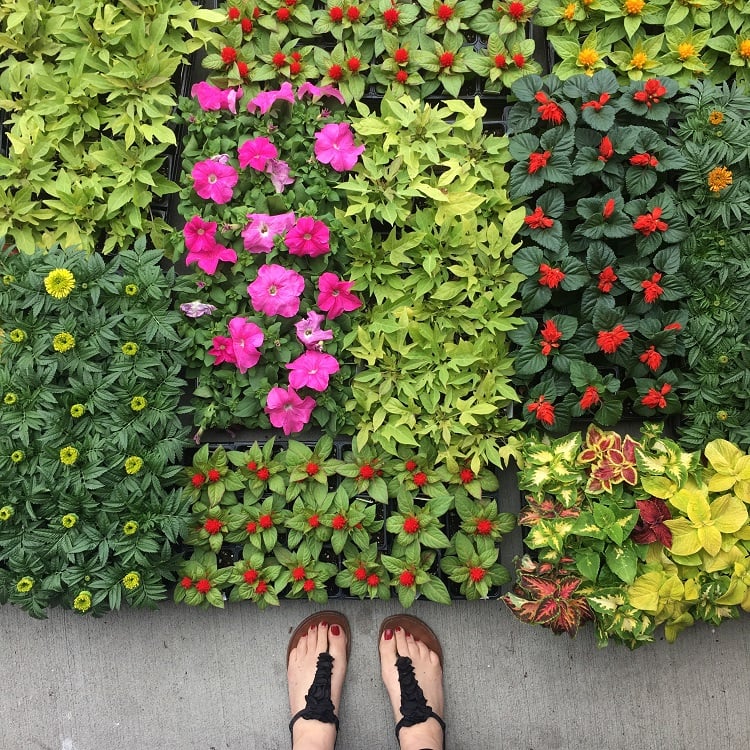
<point>420,479</point>
<point>516,10</point>
<point>466,476</point>
<point>212,525</point>
<point>411,525</point>
<point>265,521</point>
<point>250,576</point>
<point>446,59</point>
<point>410,465</point>
<point>308,585</point>
<point>198,480</point>
<point>590,397</point>
<point>401,56</point>
<point>444,12</point>
<point>484,527</point>
<point>233,13</point>
<point>213,475</point>
<point>537,219</point>
<point>551,335</point>
<point>336,13</point>
<point>228,55</point>
<point>651,93</point>
<point>402,76</point>
<point>406,578</point>
<point>543,410</point>
<point>597,104</point>
<point>655,399</point>
<point>607,278</point>
<point>186,582</point>
<point>354,64</point>
<point>549,111</point>
<point>609,208</point>
<point>247,25</point>
<point>360,573</point>
<point>549,276</point>
<point>476,574</point>
<point>610,341</point>
<point>279,59</point>
<point>203,586</point>
<point>339,522</point>
<point>651,289</point>
<point>390,16</point>
<point>352,13</point>
<point>251,527</point>
<point>262,587</point>
<point>606,150</point>
<point>314,521</point>
<point>519,60</point>
<point>538,160</point>
<point>335,72</point>
<point>295,67</point>
<point>296,56</point>
<point>500,61</point>
<point>366,472</point>
<point>298,573</point>
<point>312,469</point>
<point>256,12</point>
<point>373,580</point>
<point>673,327</point>
<point>283,14</point>
<point>644,160</point>
<point>263,474</point>
<point>651,358</point>
<point>251,465</point>
<point>651,527</point>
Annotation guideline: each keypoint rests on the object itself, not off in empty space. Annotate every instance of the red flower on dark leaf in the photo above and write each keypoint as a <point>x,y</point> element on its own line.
<point>590,398</point>
<point>650,222</point>
<point>549,276</point>
<point>610,341</point>
<point>644,160</point>
<point>538,160</point>
<point>609,208</point>
<point>537,219</point>
<point>596,104</point>
<point>651,93</point>
<point>543,410</point>
<point>607,278</point>
<point>606,149</point>
<point>551,335</point>
<point>651,289</point>
<point>651,527</point>
<point>549,111</point>
<point>655,399</point>
<point>651,358</point>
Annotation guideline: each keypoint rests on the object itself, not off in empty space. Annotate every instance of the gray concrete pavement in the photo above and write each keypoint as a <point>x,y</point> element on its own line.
<point>181,679</point>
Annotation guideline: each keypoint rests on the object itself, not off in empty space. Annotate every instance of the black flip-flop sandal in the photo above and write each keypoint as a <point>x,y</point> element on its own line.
<point>318,703</point>
<point>414,707</point>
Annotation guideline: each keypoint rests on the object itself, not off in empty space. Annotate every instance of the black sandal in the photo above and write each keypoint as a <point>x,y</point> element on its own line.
<point>318,703</point>
<point>414,707</point>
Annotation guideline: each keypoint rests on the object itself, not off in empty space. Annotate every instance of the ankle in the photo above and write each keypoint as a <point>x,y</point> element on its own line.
<point>310,734</point>
<point>425,736</point>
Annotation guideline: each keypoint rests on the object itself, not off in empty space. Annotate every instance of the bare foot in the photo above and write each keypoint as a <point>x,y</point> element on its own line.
<point>310,734</point>
<point>429,674</point>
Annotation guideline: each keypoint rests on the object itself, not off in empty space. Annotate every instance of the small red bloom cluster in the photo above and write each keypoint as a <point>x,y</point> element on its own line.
<point>607,278</point>
<point>538,160</point>
<point>549,276</point>
<point>596,104</point>
<point>444,12</point>
<point>651,94</point>
<point>551,335</point>
<point>549,111</point>
<point>656,399</point>
<point>590,397</point>
<point>606,150</point>
<point>537,219</point>
<point>543,410</point>
<point>610,341</point>
<point>651,358</point>
<point>644,160</point>
<point>651,289</point>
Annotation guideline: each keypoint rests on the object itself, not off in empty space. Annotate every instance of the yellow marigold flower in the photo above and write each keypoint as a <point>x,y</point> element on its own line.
<point>716,117</point>
<point>719,178</point>
<point>63,342</point>
<point>10,398</point>
<point>68,455</point>
<point>25,585</point>
<point>131,580</point>
<point>17,335</point>
<point>138,403</point>
<point>588,57</point>
<point>83,601</point>
<point>77,410</point>
<point>721,415</point>
<point>133,464</point>
<point>69,520</point>
<point>6,512</point>
<point>17,456</point>
<point>8,279</point>
<point>744,48</point>
<point>130,348</point>
<point>569,11</point>
<point>685,50</point>
<point>131,290</point>
<point>639,60</point>
<point>130,528</point>
<point>59,283</point>
<point>633,7</point>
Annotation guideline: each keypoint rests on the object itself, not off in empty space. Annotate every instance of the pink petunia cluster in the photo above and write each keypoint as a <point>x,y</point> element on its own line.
<point>261,155</point>
<point>308,237</point>
<point>276,291</point>
<point>203,249</point>
<point>214,179</point>
<point>335,296</point>
<point>211,98</point>
<point>334,145</point>
<point>287,410</point>
<point>260,232</point>
<point>310,333</point>
<point>240,347</point>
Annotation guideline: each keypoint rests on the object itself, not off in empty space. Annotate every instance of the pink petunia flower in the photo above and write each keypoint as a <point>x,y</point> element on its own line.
<point>278,171</point>
<point>259,234</point>
<point>199,235</point>
<point>197,309</point>
<point>316,92</point>
<point>222,350</point>
<point>334,145</point>
<point>335,295</point>
<point>246,338</point>
<point>214,180</point>
<point>276,291</point>
<point>266,99</point>
<point>208,258</point>
<point>213,98</point>
<point>256,153</point>
<point>312,370</point>
<point>287,410</point>
<point>309,331</point>
<point>308,237</point>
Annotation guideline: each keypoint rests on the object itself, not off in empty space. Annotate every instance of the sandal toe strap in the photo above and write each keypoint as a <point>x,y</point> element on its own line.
<point>414,706</point>
<point>318,703</point>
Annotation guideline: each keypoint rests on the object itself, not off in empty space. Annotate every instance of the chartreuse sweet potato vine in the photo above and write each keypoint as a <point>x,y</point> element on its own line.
<point>430,234</point>
<point>633,534</point>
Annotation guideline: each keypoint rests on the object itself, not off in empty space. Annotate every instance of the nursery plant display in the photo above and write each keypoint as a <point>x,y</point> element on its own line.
<point>91,438</point>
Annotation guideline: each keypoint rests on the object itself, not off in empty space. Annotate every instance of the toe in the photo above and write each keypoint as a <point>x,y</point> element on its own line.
<point>321,637</point>
<point>402,641</point>
<point>387,647</point>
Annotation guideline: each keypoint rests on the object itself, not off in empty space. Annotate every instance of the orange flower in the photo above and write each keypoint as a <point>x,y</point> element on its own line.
<point>718,179</point>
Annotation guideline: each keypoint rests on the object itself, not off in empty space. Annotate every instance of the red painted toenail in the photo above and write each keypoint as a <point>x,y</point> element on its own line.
<point>323,624</point>
<point>398,628</point>
<point>335,630</point>
<point>388,634</point>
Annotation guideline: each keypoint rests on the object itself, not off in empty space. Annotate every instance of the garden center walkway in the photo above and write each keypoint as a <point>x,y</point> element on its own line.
<point>181,679</point>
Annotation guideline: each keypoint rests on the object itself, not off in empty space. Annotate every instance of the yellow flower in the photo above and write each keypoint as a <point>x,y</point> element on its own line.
<point>68,455</point>
<point>716,117</point>
<point>131,580</point>
<point>744,48</point>
<point>59,283</point>
<point>719,178</point>
<point>685,50</point>
<point>63,342</point>
<point>6,512</point>
<point>130,528</point>
<point>588,57</point>
<point>633,7</point>
<point>17,335</point>
<point>130,348</point>
<point>722,416</point>
<point>25,585</point>
<point>10,398</point>
<point>133,464</point>
<point>138,403</point>
<point>569,11</point>
<point>8,279</point>
<point>17,456</point>
<point>83,601</point>
<point>639,60</point>
<point>69,520</point>
<point>77,410</point>
<point>131,290</point>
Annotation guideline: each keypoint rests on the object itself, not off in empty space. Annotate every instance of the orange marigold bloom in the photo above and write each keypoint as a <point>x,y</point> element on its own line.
<point>588,57</point>
<point>716,117</point>
<point>719,179</point>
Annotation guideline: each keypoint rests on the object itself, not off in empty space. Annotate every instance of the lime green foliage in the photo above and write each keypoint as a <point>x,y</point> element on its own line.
<point>431,235</point>
<point>656,537</point>
<point>90,437</point>
<point>88,92</point>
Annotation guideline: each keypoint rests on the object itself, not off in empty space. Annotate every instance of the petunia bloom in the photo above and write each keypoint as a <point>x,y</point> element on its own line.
<point>197,309</point>
<point>312,370</point>
<point>334,145</point>
<point>256,153</point>
<point>287,410</point>
<point>246,338</point>
<point>214,180</point>
<point>259,234</point>
<point>222,350</point>
<point>208,258</point>
<point>308,237</point>
<point>276,291</point>
<point>199,235</point>
<point>309,331</point>
<point>316,92</point>
<point>278,171</point>
<point>266,99</point>
<point>213,98</point>
<point>336,296</point>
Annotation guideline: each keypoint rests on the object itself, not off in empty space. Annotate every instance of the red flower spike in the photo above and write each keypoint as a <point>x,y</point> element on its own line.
<point>314,521</point>
<point>466,476</point>
<point>354,64</point>
<point>500,61</point>
<point>607,278</point>
<point>295,67</point>
<point>233,13</point>
<point>411,525</point>
<point>407,578</point>
<point>402,76</point>
<point>262,587</point>
<point>538,160</point>
<point>484,527</point>
<point>212,525</point>
<point>673,326</point>
<point>213,475</point>
<point>446,59</point>
<point>610,341</point>
<point>651,527</point>
<point>186,582</point>
<point>336,14</point>
<point>550,277</point>
<point>283,14</point>
<point>516,10</point>
<point>644,160</point>
<point>366,472</point>
<point>228,55</point>
<point>265,521</point>
<point>606,150</point>
<point>537,219</point>
<point>444,12</point>
<point>651,358</point>
<point>655,399</point>
<point>198,480</point>
<point>335,72</point>
<point>477,574</point>
<point>373,580</point>
<point>401,56</point>
<point>596,104</point>
<point>263,473</point>
<point>519,60</point>
<point>279,59</point>
<point>390,16</point>
<point>251,465</point>
<point>543,410</point>
<point>203,586</point>
<point>551,335</point>
<point>247,25</point>
<point>339,522</point>
<point>360,574</point>
<point>298,573</point>
<point>609,208</point>
<point>410,465</point>
<point>312,469</point>
<point>651,94</point>
<point>250,576</point>
<point>420,479</point>
<point>308,585</point>
<point>590,398</point>
<point>352,13</point>
<point>651,289</point>
<point>251,527</point>
<point>549,111</point>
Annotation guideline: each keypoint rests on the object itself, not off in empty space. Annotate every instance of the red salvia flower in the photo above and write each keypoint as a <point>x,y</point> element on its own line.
<point>352,13</point>
<point>444,12</point>
<point>596,104</point>
<point>212,525</point>
<point>476,574</point>
<point>203,586</point>
<point>537,219</point>
<point>250,576</point>
<point>446,59</point>
<point>373,580</point>
<point>651,527</point>
<point>406,578</point>
<point>651,358</point>
<point>543,410</point>
<point>484,527</point>
<point>411,525</point>
<point>339,522</point>
<point>247,25</point>
<point>610,341</point>
<point>644,160</point>
<point>549,111</point>
<point>298,573</point>
<point>606,150</point>
<point>500,61</point>
<point>390,16</point>
<point>651,94</point>
<point>519,60</point>
<point>550,277</point>
<point>538,160</point>
<point>466,476</point>
<point>198,480</point>
<point>551,335</point>
<point>650,222</point>
<point>228,55</point>
<point>673,327</point>
<point>651,289</point>
<point>655,399</point>
<point>336,14</point>
<point>609,208</point>
<point>590,397</point>
<point>607,278</point>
